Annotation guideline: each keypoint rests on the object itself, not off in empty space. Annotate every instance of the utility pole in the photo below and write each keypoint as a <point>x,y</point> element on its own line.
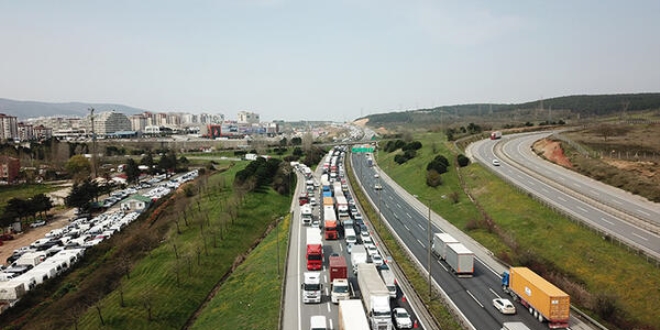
<point>94,161</point>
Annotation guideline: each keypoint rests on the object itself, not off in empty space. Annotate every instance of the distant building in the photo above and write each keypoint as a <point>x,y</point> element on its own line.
<point>139,122</point>
<point>25,132</point>
<point>108,122</point>
<point>8,127</point>
<point>9,169</point>
<point>248,117</point>
<point>42,132</point>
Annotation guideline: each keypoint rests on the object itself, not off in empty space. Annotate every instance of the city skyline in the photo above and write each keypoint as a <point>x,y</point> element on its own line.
<point>293,60</point>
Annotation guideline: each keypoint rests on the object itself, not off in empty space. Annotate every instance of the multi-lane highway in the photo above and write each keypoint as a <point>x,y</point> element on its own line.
<point>297,315</point>
<point>409,220</point>
<point>627,217</point>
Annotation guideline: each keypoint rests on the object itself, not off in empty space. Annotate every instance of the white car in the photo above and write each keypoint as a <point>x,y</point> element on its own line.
<point>371,249</point>
<point>378,187</point>
<point>366,238</point>
<point>402,318</point>
<point>504,306</point>
<point>377,259</point>
<point>376,175</point>
<point>38,223</point>
<point>496,162</point>
<point>312,201</point>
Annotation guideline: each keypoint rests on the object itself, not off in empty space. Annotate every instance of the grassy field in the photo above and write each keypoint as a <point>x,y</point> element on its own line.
<point>250,298</point>
<point>613,284</point>
<point>153,287</point>
<point>22,191</point>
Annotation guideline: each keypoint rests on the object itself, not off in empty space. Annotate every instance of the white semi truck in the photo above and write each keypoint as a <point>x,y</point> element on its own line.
<point>311,288</point>
<point>440,241</point>
<point>375,296</point>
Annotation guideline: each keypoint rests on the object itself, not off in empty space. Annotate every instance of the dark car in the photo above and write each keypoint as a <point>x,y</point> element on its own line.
<point>49,245</point>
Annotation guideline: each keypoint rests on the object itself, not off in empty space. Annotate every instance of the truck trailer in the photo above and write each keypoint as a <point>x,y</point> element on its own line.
<point>543,300</point>
<point>375,297</point>
<point>306,214</point>
<point>314,254</point>
<point>352,316</point>
<point>358,256</point>
<point>330,223</point>
<point>514,326</point>
<point>440,241</point>
<point>460,259</point>
<point>339,279</point>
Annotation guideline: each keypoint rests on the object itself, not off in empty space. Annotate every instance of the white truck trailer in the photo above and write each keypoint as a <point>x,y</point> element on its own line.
<point>358,256</point>
<point>460,259</point>
<point>440,241</point>
<point>375,297</point>
<point>390,281</point>
<point>352,316</point>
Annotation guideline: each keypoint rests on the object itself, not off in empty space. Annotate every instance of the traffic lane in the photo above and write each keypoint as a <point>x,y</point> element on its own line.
<point>472,295</point>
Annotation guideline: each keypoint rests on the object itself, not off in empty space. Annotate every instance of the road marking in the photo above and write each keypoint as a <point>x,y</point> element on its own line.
<point>408,214</point>
<point>420,227</point>
<point>443,266</point>
<point>610,222</point>
<point>341,249</point>
<point>390,196</point>
<point>583,209</point>
<point>643,212</point>
<point>420,243</point>
<point>561,198</point>
<point>398,205</point>
<point>640,236</point>
<point>408,229</point>
<point>495,293</point>
<point>328,304</point>
<point>473,297</point>
<point>330,320</point>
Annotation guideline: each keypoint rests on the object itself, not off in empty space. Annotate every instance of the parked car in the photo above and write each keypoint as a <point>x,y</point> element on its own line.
<point>38,223</point>
<point>402,318</point>
<point>504,306</point>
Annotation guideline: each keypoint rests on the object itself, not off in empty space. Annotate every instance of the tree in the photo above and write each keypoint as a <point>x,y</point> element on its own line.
<point>168,162</point>
<point>433,178</point>
<point>82,194</point>
<point>148,161</point>
<point>79,167</point>
<point>462,160</point>
<point>132,171</point>
<point>42,203</point>
<point>296,141</point>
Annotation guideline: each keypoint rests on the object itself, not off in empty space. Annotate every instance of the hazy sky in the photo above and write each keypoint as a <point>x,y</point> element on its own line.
<point>314,60</point>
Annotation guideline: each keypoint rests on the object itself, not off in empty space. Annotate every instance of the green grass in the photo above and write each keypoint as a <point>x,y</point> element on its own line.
<point>23,191</point>
<point>153,280</point>
<point>250,298</point>
<point>583,259</point>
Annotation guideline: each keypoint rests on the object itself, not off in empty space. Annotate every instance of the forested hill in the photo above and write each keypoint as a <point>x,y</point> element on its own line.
<point>579,105</point>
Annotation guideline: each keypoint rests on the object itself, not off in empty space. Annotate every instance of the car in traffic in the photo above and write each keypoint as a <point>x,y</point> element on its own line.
<point>371,249</point>
<point>377,259</point>
<point>496,162</point>
<point>376,175</point>
<point>402,318</point>
<point>378,187</point>
<point>504,306</point>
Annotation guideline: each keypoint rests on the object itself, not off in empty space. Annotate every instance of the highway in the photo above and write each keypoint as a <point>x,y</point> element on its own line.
<point>629,218</point>
<point>408,219</point>
<point>297,315</point>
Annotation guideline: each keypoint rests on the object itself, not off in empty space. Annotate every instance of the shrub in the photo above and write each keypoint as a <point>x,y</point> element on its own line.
<point>462,160</point>
<point>433,179</point>
<point>400,159</point>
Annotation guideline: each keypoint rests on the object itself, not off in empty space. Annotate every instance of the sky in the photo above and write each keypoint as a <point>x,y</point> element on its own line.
<point>324,60</point>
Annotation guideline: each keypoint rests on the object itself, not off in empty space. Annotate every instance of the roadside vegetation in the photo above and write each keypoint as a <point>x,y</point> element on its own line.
<point>156,273</point>
<point>251,295</point>
<point>604,279</point>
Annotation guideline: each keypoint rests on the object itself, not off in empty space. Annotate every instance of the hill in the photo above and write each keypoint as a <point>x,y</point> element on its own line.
<point>32,109</point>
<point>565,108</point>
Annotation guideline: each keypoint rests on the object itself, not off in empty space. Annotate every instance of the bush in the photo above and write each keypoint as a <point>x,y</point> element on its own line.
<point>400,159</point>
<point>462,160</point>
<point>433,178</point>
<point>415,145</point>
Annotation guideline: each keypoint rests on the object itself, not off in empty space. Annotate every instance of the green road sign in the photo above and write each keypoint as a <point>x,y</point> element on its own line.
<point>359,149</point>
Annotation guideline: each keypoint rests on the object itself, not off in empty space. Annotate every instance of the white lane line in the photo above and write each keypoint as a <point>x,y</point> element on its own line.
<point>443,266</point>
<point>328,304</point>
<point>420,243</point>
<point>408,229</point>
<point>408,214</point>
<point>561,198</point>
<point>390,196</point>
<point>475,298</point>
<point>495,293</point>
<point>583,209</point>
<point>398,205</point>
<point>644,212</point>
<point>610,222</point>
<point>420,227</point>
<point>330,320</point>
<point>640,236</point>
<point>341,249</point>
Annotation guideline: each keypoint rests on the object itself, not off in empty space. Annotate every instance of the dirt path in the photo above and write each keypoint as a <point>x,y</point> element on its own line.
<point>60,219</point>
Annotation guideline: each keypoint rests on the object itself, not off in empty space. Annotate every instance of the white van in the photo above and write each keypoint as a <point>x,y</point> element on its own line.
<point>318,322</point>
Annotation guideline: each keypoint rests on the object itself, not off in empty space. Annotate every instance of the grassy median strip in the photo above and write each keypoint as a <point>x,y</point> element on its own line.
<point>603,278</point>
<point>250,298</point>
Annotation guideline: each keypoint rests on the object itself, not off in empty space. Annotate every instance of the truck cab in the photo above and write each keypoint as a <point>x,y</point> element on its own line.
<point>311,288</point>
<point>340,290</point>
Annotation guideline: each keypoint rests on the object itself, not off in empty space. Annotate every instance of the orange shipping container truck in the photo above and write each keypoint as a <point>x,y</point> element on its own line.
<point>544,300</point>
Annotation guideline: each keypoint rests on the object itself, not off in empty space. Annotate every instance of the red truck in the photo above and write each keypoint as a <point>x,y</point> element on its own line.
<point>303,199</point>
<point>314,249</point>
<point>330,223</point>
<point>338,268</point>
